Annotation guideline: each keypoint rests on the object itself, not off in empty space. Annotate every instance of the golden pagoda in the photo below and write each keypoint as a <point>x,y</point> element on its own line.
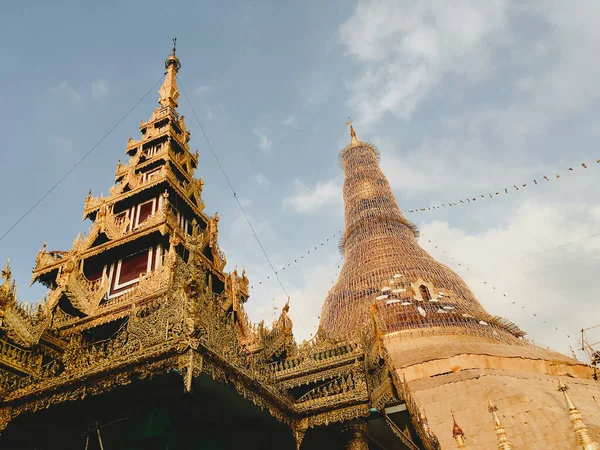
<point>439,338</point>
<point>143,342</point>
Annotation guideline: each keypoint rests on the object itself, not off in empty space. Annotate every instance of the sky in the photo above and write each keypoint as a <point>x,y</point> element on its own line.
<point>463,98</point>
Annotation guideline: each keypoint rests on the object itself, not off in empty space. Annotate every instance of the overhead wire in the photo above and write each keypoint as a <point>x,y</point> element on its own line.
<point>565,265</point>
<point>514,302</point>
<point>238,201</point>
<point>88,153</point>
<point>503,191</point>
<point>299,259</point>
<point>559,246</point>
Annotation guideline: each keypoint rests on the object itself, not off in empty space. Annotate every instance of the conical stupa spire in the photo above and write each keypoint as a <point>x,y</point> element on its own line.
<point>503,441</point>
<point>384,262</point>
<point>169,92</point>
<point>583,437</point>
<point>458,435</point>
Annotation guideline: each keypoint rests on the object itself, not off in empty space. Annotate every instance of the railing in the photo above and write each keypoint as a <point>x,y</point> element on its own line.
<point>324,356</point>
<point>22,359</point>
<point>406,440</point>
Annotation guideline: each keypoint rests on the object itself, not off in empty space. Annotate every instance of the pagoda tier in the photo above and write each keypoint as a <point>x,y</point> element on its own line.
<point>154,206</point>
<point>153,214</point>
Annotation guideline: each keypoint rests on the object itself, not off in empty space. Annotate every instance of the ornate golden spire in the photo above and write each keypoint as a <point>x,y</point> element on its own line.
<point>503,441</point>
<point>458,435</point>
<point>583,437</point>
<point>169,93</point>
<point>381,252</point>
<point>354,140</point>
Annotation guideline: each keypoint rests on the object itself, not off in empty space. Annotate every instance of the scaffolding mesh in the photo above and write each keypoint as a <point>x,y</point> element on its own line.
<point>384,265</point>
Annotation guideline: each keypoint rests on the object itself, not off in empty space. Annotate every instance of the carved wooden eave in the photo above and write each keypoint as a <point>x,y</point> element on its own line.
<point>163,334</point>
<point>150,288</point>
<point>166,154</point>
<point>21,324</point>
<point>163,221</point>
<point>93,204</point>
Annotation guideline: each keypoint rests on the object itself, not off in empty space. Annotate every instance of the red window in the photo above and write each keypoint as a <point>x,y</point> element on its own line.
<point>133,266</point>
<point>146,210</point>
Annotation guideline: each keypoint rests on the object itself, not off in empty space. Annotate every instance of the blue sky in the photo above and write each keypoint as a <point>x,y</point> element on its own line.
<point>462,98</point>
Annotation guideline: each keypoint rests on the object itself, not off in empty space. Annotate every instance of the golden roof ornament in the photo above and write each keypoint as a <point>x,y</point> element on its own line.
<point>169,92</point>
<point>6,272</point>
<point>503,442</point>
<point>458,435</point>
<point>583,437</point>
<point>353,139</point>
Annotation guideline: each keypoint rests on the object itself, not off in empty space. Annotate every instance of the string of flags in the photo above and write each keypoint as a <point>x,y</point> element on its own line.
<point>485,282</point>
<point>503,191</point>
<point>302,257</point>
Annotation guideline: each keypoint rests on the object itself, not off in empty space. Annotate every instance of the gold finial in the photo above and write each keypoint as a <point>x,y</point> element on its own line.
<point>503,441</point>
<point>354,139</point>
<point>6,273</point>
<point>169,92</point>
<point>583,437</point>
<point>458,435</point>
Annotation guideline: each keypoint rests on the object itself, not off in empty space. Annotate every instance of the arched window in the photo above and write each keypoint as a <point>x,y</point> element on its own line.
<point>425,295</point>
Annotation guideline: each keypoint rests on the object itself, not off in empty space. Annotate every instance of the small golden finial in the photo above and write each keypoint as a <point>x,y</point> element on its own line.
<point>458,435</point>
<point>503,442</point>
<point>354,139</point>
<point>583,437</point>
<point>6,273</point>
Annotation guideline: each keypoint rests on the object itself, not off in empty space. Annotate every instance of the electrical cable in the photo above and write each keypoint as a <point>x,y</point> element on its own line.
<point>238,200</point>
<point>89,152</point>
<point>560,246</point>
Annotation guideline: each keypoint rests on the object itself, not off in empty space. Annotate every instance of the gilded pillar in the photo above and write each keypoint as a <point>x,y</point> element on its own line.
<point>357,436</point>
<point>583,438</point>
<point>503,442</point>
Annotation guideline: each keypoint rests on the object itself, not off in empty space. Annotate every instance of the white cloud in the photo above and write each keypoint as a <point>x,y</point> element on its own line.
<point>290,121</point>
<point>100,88</point>
<point>65,90</point>
<point>203,89</point>
<point>261,180</point>
<point>307,200</point>
<point>404,48</point>
<point>307,300</point>
<point>451,169</point>
<point>306,284</point>
<point>556,286</point>
<point>264,142</point>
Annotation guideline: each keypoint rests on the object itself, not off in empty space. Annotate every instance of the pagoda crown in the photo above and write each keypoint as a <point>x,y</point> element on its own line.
<point>385,266</point>
<point>153,209</point>
<point>169,92</point>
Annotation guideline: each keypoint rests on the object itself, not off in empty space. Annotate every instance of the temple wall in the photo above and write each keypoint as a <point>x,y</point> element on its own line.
<point>453,374</point>
<point>532,410</point>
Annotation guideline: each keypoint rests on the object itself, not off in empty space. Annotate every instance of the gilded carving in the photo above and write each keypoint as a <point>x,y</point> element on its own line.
<point>172,317</point>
